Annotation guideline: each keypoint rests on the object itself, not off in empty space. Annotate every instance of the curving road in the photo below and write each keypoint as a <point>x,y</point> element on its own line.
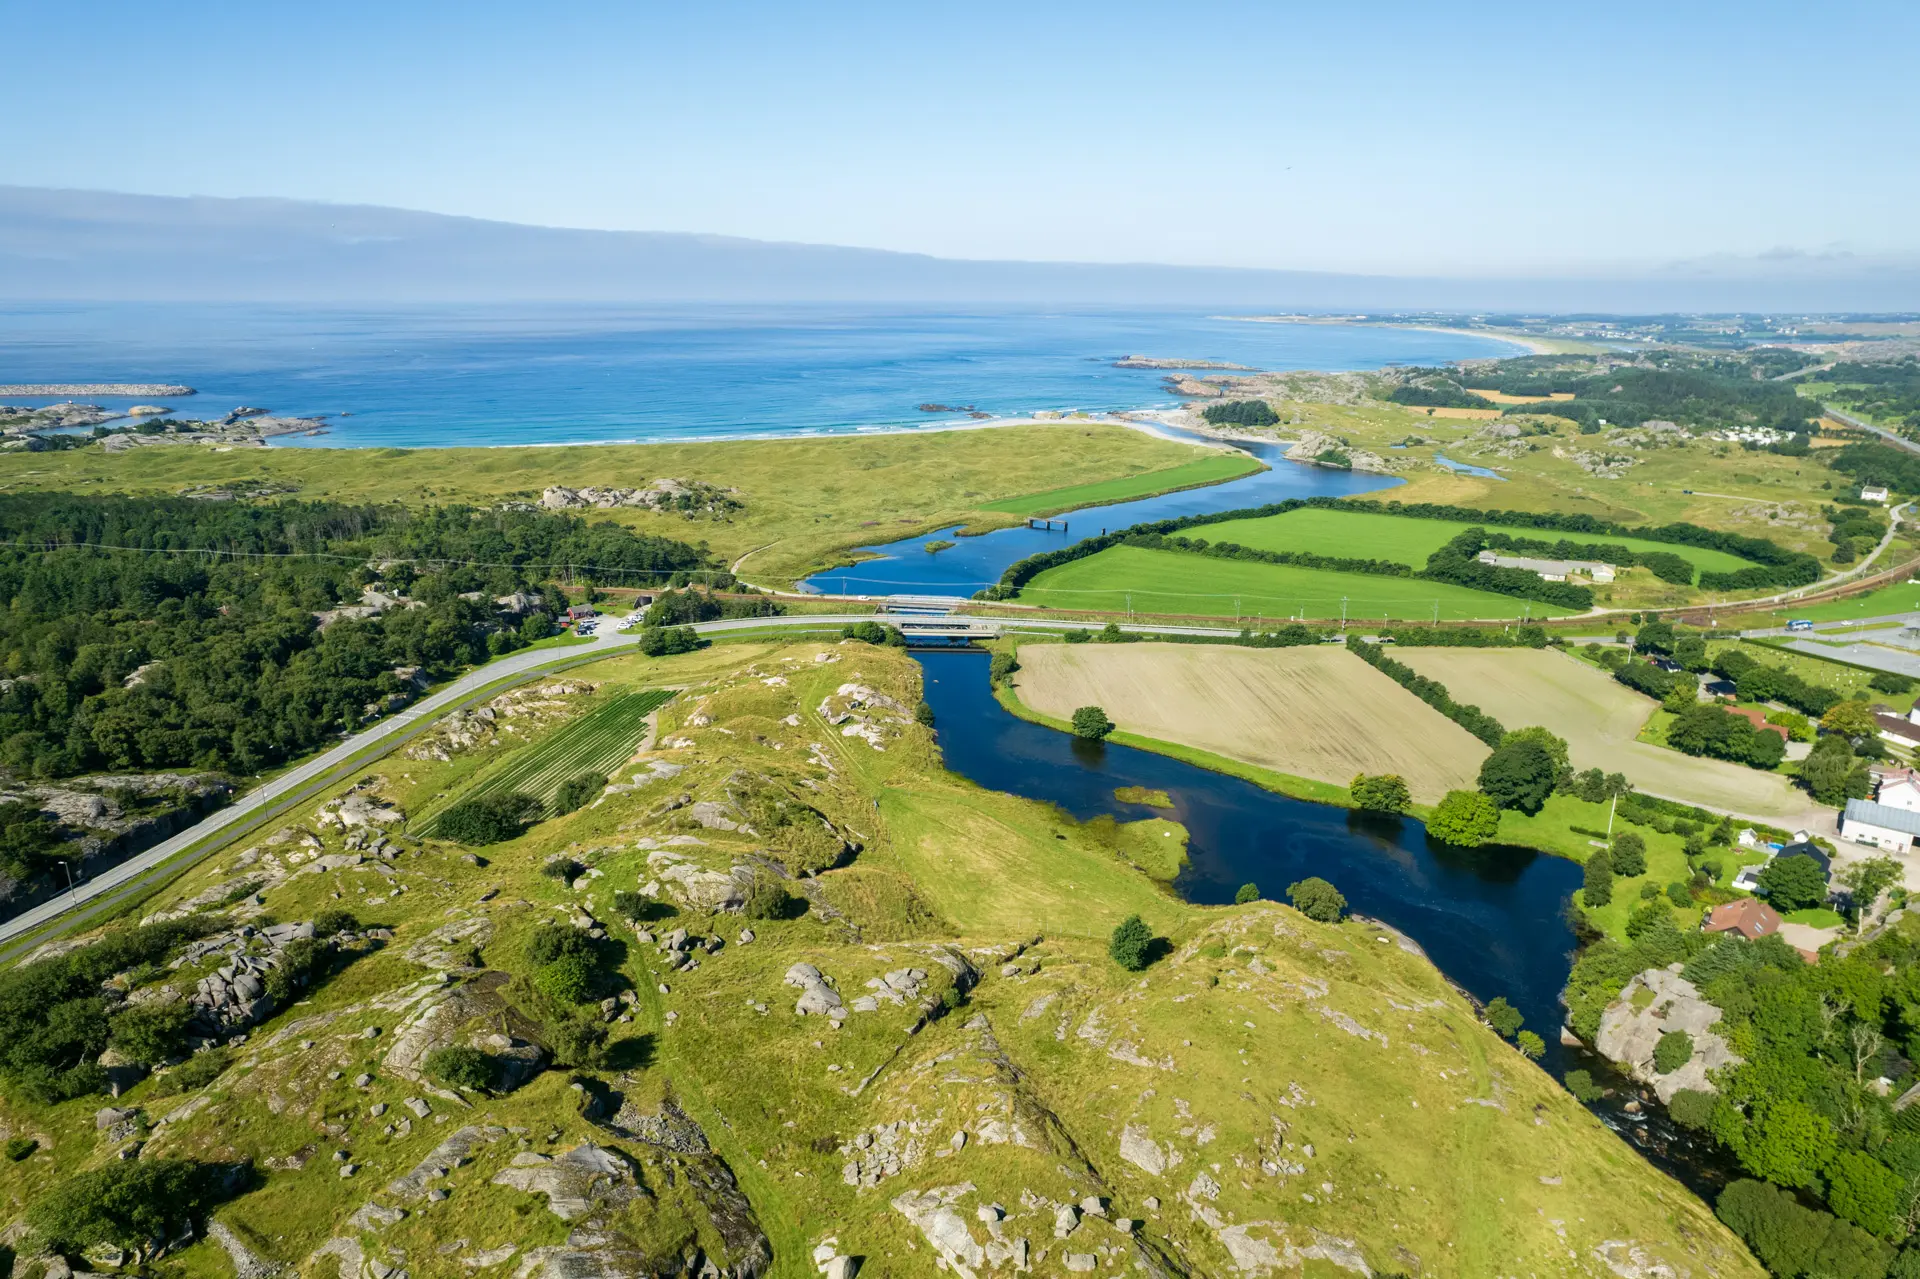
<point>142,872</point>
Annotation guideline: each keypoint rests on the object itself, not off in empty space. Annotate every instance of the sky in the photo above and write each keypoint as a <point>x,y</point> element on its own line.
<point>1403,138</point>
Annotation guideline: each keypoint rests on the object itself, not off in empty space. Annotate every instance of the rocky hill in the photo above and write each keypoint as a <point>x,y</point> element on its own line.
<point>786,999</point>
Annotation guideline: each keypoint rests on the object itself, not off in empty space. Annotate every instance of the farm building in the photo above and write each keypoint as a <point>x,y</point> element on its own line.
<point>1873,493</point>
<point>1749,917</point>
<point>1551,570</point>
<point>1865,822</point>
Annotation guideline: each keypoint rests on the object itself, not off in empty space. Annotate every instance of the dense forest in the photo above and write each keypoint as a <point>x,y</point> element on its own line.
<point>1705,392</point>
<point>207,636</point>
<point>1887,391</point>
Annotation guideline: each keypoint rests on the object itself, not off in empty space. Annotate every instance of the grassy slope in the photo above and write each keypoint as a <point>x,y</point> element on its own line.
<point>1207,470</point>
<point>1244,1012</point>
<point>1408,541</point>
<point>1172,582</point>
<point>807,501</point>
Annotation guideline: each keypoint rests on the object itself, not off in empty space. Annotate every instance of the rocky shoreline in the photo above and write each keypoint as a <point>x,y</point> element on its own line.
<point>159,389</point>
<point>1152,362</point>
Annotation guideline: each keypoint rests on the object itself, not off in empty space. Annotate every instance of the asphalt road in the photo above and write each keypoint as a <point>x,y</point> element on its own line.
<point>274,796</point>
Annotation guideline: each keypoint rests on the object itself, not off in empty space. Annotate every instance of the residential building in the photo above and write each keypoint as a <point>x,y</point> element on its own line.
<point>1873,493</point>
<point>1898,729</point>
<point>1892,829</point>
<point>1749,917</point>
<point>1899,790</point>
<point>580,612</point>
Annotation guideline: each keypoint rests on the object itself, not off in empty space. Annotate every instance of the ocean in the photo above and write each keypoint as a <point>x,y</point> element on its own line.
<point>435,377</point>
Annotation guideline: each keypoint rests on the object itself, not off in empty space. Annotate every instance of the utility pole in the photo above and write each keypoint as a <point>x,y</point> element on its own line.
<point>1613,804</point>
<point>71,890</point>
<point>1343,612</point>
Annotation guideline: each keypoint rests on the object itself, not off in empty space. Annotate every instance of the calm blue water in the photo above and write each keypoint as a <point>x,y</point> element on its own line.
<point>432,377</point>
<point>974,563</point>
<point>1492,919</point>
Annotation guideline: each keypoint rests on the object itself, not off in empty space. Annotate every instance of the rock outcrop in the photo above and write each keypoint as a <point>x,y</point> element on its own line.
<point>1654,1003</point>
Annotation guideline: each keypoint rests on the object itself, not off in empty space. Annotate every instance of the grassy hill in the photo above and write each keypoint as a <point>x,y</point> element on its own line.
<point>1272,1094</point>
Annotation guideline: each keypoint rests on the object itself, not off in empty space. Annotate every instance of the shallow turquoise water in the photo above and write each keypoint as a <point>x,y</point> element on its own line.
<point>423,377</point>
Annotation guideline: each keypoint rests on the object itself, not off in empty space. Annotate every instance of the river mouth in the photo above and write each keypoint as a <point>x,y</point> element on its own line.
<point>1493,920</point>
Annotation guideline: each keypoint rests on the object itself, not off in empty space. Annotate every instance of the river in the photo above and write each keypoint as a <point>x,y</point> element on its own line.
<point>975,563</point>
<point>1492,919</point>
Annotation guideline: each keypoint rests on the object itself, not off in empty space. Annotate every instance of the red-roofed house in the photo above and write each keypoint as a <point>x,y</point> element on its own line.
<point>1750,917</point>
<point>1757,717</point>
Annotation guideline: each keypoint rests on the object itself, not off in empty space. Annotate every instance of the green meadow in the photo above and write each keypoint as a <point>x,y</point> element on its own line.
<point>1206,470</point>
<point>1364,535</point>
<point>1151,581</point>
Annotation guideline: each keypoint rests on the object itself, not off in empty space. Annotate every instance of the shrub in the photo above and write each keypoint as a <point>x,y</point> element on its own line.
<point>550,942</point>
<point>567,980</point>
<point>631,906</point>
<point>1597,888</point>
<point>1080,636</point>
<point>1674,1050</point>
<point>1132,944</point>
<point>1247,893</point>
<point>1680,894</point>
<point>923,713</point>
<point>1240,413</point>
<point>196,1071</point>
<point>1629,855</point>
<point>490,819</point>
<point>1002,666</point>
<point>1793,883</point>
<point>579,1042</point>
<point>564,869</point>
<point>459,1066</point>
<point>1091,723</point>
<point>665,641</point>
<point>132,1204</point>
<point>1504,1017</point>
<point>577,792</point>
<point>1466,818</point>
<point>1530,1044</point>
<point>1519,774</point>
<point>1792,1240</point>
<point>1580,1084</point>
<point>1384,793</point>
<point>865,632</point>
<point>1317,899</point>
<point>767,897</point>
<point>1692,1108</point>
<point>329,923</point>
<point>19,1148</point>
<point>151,1033</point>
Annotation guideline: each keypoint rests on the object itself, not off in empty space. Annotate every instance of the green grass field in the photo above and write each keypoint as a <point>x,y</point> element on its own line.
<point>597,742</point>
<point>1363,535</point>
<point>1901,597</point>
<point>1207,470</point>
<point>1170,582</point>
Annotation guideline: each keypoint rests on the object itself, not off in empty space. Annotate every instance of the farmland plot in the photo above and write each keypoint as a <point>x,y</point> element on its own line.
<point>1320,713</point>
<point>598,742</point>
<point>1599,717</point>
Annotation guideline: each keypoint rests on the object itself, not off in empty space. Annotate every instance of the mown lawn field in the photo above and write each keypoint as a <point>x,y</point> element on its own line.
<point>1364,535</point>
<point>598,742</point>
<point>1886,601</point>
<point>1172,582</point>
<point>1206,470</point>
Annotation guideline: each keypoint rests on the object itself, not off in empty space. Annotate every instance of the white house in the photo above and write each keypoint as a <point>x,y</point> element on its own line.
<point>1873,493</point>
<point>1900,791</point>
<point>1892,829</point>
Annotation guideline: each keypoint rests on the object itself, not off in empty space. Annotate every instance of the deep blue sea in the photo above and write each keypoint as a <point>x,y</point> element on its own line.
<point>429,377</point>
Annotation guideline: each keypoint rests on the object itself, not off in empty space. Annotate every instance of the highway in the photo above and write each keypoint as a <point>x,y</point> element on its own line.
<point>276,795</point>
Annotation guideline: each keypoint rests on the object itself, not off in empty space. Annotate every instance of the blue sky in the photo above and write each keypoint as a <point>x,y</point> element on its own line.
<point>1362,136</point>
